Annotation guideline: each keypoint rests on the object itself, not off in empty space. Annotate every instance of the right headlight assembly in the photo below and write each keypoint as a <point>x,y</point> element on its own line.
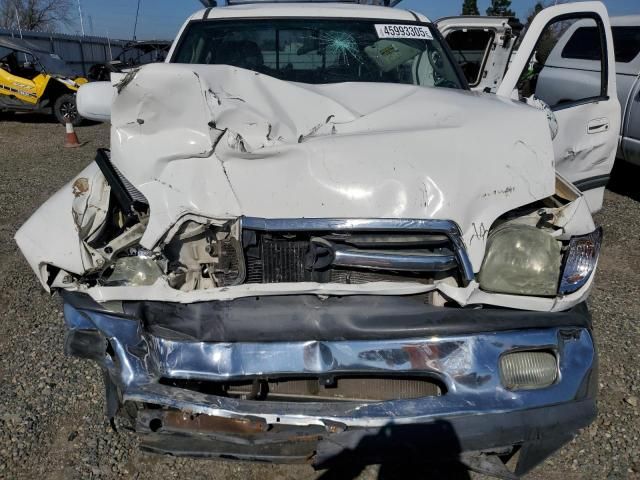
<point>525,260</point>
<point>521,260</point>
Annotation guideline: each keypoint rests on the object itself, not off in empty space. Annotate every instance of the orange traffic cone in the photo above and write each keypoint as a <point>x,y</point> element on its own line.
<point>71,139</point>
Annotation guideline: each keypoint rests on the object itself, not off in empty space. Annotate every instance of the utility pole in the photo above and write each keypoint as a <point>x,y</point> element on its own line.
<point>18,20</point>
<point>135,25</point>
<point>81,20</point>
<point>109,43</point>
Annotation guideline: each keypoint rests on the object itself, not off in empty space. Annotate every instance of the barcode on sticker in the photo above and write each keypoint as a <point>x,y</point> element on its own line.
<point>404,31</point>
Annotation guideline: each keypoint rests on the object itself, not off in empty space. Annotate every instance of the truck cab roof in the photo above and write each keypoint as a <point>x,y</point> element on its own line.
<point>625,21</point>
<point>311,9</point>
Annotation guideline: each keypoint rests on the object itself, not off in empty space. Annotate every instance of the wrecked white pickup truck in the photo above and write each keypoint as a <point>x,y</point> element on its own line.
<point>311,242</point>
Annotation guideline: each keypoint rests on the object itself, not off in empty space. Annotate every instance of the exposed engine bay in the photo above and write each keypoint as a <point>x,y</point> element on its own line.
<point>294,255</point>
<point>219,254</point>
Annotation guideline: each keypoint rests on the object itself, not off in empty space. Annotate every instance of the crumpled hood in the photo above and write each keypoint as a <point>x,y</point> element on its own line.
<point>220,142</point>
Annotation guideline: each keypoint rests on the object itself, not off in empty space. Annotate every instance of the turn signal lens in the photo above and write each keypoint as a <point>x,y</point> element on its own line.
<point>580,262</point>
<point>528,370</point>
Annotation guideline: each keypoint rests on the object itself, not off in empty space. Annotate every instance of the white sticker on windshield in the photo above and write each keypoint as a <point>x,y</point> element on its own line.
<point>417,32</point>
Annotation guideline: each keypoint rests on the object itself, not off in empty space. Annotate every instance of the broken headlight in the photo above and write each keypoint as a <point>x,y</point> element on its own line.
<point>580,261</point>
<point>521,260</point>
<point>135,271</point>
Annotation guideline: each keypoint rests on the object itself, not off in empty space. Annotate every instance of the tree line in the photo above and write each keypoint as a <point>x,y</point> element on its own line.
<point>45,15</point>
<point>498,8</point>
<point>501,8</point>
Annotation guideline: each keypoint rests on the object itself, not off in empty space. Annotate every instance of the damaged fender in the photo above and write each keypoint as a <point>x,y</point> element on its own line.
<point>70,216</point>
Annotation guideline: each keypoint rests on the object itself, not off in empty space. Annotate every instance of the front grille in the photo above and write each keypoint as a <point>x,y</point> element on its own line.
<point>280,261</point>
<point>357,277</point>
<point>283,257</point>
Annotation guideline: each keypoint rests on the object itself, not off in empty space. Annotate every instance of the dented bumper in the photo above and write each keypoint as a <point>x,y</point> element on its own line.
<point>170,369</point>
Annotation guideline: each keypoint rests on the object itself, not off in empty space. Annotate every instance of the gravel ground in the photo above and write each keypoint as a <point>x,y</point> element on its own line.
<point>51,423</point>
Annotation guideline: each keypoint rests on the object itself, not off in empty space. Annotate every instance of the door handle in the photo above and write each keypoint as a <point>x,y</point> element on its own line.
<point>598,125</point>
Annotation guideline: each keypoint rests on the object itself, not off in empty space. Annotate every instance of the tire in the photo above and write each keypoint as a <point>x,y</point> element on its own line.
<point>66,105</point>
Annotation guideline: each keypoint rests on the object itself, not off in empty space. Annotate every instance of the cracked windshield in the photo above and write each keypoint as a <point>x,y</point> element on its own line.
<point>323,51</point>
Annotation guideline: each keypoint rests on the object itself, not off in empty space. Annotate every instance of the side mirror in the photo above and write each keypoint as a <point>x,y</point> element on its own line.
<point>94,101</point>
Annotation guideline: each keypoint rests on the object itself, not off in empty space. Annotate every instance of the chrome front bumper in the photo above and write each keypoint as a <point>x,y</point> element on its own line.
<point>467,365</point>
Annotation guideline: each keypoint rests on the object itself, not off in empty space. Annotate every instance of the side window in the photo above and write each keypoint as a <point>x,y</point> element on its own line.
<point>470,48</point>
<point>8,59</point>
<point>27,65</point>
<point>567,64</point>
<point>626,42</point>
<point>584,44</point>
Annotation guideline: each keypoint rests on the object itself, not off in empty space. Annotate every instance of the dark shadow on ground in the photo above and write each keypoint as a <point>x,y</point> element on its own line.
<point>427,451</point>
<point>37,118</point>
<point>625,180</point>
<point>402,471</point>
<point>27,117</point>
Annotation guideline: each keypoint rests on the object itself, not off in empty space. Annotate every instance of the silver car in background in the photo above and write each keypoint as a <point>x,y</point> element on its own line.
<point>573,59</point>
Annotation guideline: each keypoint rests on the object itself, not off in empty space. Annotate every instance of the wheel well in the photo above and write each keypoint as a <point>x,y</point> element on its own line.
<point>54,90</point>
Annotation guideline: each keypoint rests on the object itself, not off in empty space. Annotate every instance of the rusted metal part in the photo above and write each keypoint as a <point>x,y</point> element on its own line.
<point>185,421</point>
<point>249,429</point>
<point>334,427</point>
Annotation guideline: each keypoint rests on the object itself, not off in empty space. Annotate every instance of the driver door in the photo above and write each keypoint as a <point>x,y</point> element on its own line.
<point>583,102</point>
